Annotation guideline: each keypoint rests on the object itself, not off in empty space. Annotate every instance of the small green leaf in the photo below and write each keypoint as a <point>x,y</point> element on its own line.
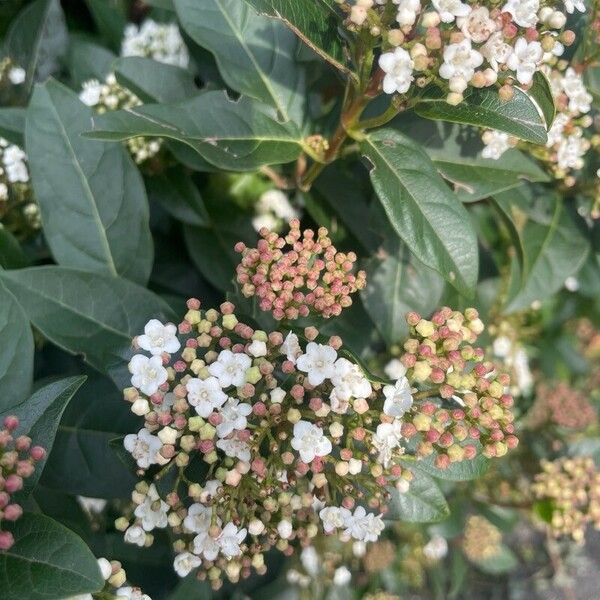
<point>431,221</point>
<point>541,92</point>
<point>47,562</point>
<point>484,108</point>
<point>422,503</point>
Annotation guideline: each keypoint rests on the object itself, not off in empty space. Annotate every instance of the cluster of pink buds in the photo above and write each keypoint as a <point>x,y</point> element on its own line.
<point>298,275</point>
<point>470,410</point>
<point>17,463</point>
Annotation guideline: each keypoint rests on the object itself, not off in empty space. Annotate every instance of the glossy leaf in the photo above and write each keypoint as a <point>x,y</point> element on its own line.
<point>91,195</point>
<point>236,136</point>
<point>518,117</point>
<point>16,351</point>
<point>255,54</point>
<point>85,313</point>
<point>47,562</point>
<point>315,22</point>
<point>39,417</point>
<point>421,208</point>
<point>541,92</point>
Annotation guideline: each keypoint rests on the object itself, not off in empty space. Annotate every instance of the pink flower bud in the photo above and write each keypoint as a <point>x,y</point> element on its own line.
<point>13,512</point>
<point>11,422</point>
<point>6,540</point>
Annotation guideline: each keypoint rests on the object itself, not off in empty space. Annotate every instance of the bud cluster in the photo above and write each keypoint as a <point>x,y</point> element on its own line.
<point>116,587</point>
<point>259,440</point>
<point>109,96</point>
<point>17,463</point>
<point>299,274</point>
<point>481,539</point>
<point>572,485</point>
<point>457,45</point>
<point>472,414</point>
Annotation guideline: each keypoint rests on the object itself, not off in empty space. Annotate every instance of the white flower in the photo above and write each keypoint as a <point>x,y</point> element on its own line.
<point>16,75</point>
<point>570,151</point>
<point>449,9</point>
<point>90,92</point>
<point>496,50</point>
<point>152,511</point>
<point>159,338</point>
<point>579,98</point>
<point>185,563</point>
<point>234,417</point>
<point>235,448</point>
<point>386,439</point>
<point>460,61</point>
<point>277,395</point>
<point>230,368</point>
<point>572,5</point>
<point>14,159</point>
<point>230,539</point>
<point>394,369</point>
<point>398,398</point>
<point>496,144</point>
<point>205,395</point>
<point>436,548</point>
<point>285,529</point>
<point>210,489</point>
<point>398,68</point>
<point>333,517</point>
<point>198,518</point>
<point>342,576</point>
<point>205,545</point>
<point>143,447</point>
<point>572,284</point>
<point>339,405</point>
<point>318,362</point>
<point>291,347</point>
<point>135,535</point>
<point>132,593</point>
<point>105,568</point>
<point>407,11</point>
<point>267,220</point>
<point>91,505</point>
<point>523,373</point>
<point>272,207</point>
<point>148,374</point>
<point>310,441</point>
<point>525,59</point>
<point>524,12</point>
<point>478,26</point>
<point>502,346</point>
<point>310,560</point>
<point>257,348</point>
<point>363,526</point>
<point>349,380</point>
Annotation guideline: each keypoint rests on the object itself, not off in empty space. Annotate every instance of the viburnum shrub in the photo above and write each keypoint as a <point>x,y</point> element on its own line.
<point>299,298</point>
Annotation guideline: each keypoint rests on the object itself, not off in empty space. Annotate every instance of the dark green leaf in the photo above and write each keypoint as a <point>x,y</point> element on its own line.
<point>11,253</point>
<point>315,22</point>
<point>16,351</point>
<point>85,313</point>
<point>421,208</point>
<point>88,60</point>
<point>541,92</point>
<point>110,18</point>
<point>47,562</point>
<point>235,136</point>
<point>91,195</point>
<point>484,108</point>
<point>12,124</point>
<point>39,417</point>
<point>37,40</point>
<point>255,54</point>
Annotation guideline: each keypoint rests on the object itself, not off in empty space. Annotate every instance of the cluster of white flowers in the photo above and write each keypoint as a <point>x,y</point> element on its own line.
<point>273,211</point>
<point>159,41</point>
<point>13,165</point>
<point>358,525</point>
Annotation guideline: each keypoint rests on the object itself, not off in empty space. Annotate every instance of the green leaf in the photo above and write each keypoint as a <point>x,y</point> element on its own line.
<point>398,284</point>
<point>234,136</point>
<point>503,209</point>
<point>422,503</point>
<point>47,562</point>
<point>459,471</point>
<point>484,108</point>
<point>11,253</point>
<point>88,60</point>
<point>16,351</point>
<point>255,54</point>
<point>421,208</point>
<point>37,40</point>
<point>12,124</point>
<point>39,417</point>
<point>110,18</point>
<point>82,462</point>
<point>91,195</point>
<point>154,81</point>
<point>315,22</point>
<point>176,192</point>
<point>86,313</point>
<point>553,251</point>
<point>541,92</point>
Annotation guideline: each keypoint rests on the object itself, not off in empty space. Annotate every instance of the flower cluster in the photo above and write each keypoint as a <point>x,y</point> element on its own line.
<point>109,96</point>
<point>115,577</point>
<point>572,487</point>
<point>562,405</point>
<point>273,439</point>
<point>17,463</point>
<point>481,539</point>
<point>473,413</point>
<point>456,44</point>
<point>159,41</point>
<point>273,211</point>
<point>18,211</point>
<point>298,275</point>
